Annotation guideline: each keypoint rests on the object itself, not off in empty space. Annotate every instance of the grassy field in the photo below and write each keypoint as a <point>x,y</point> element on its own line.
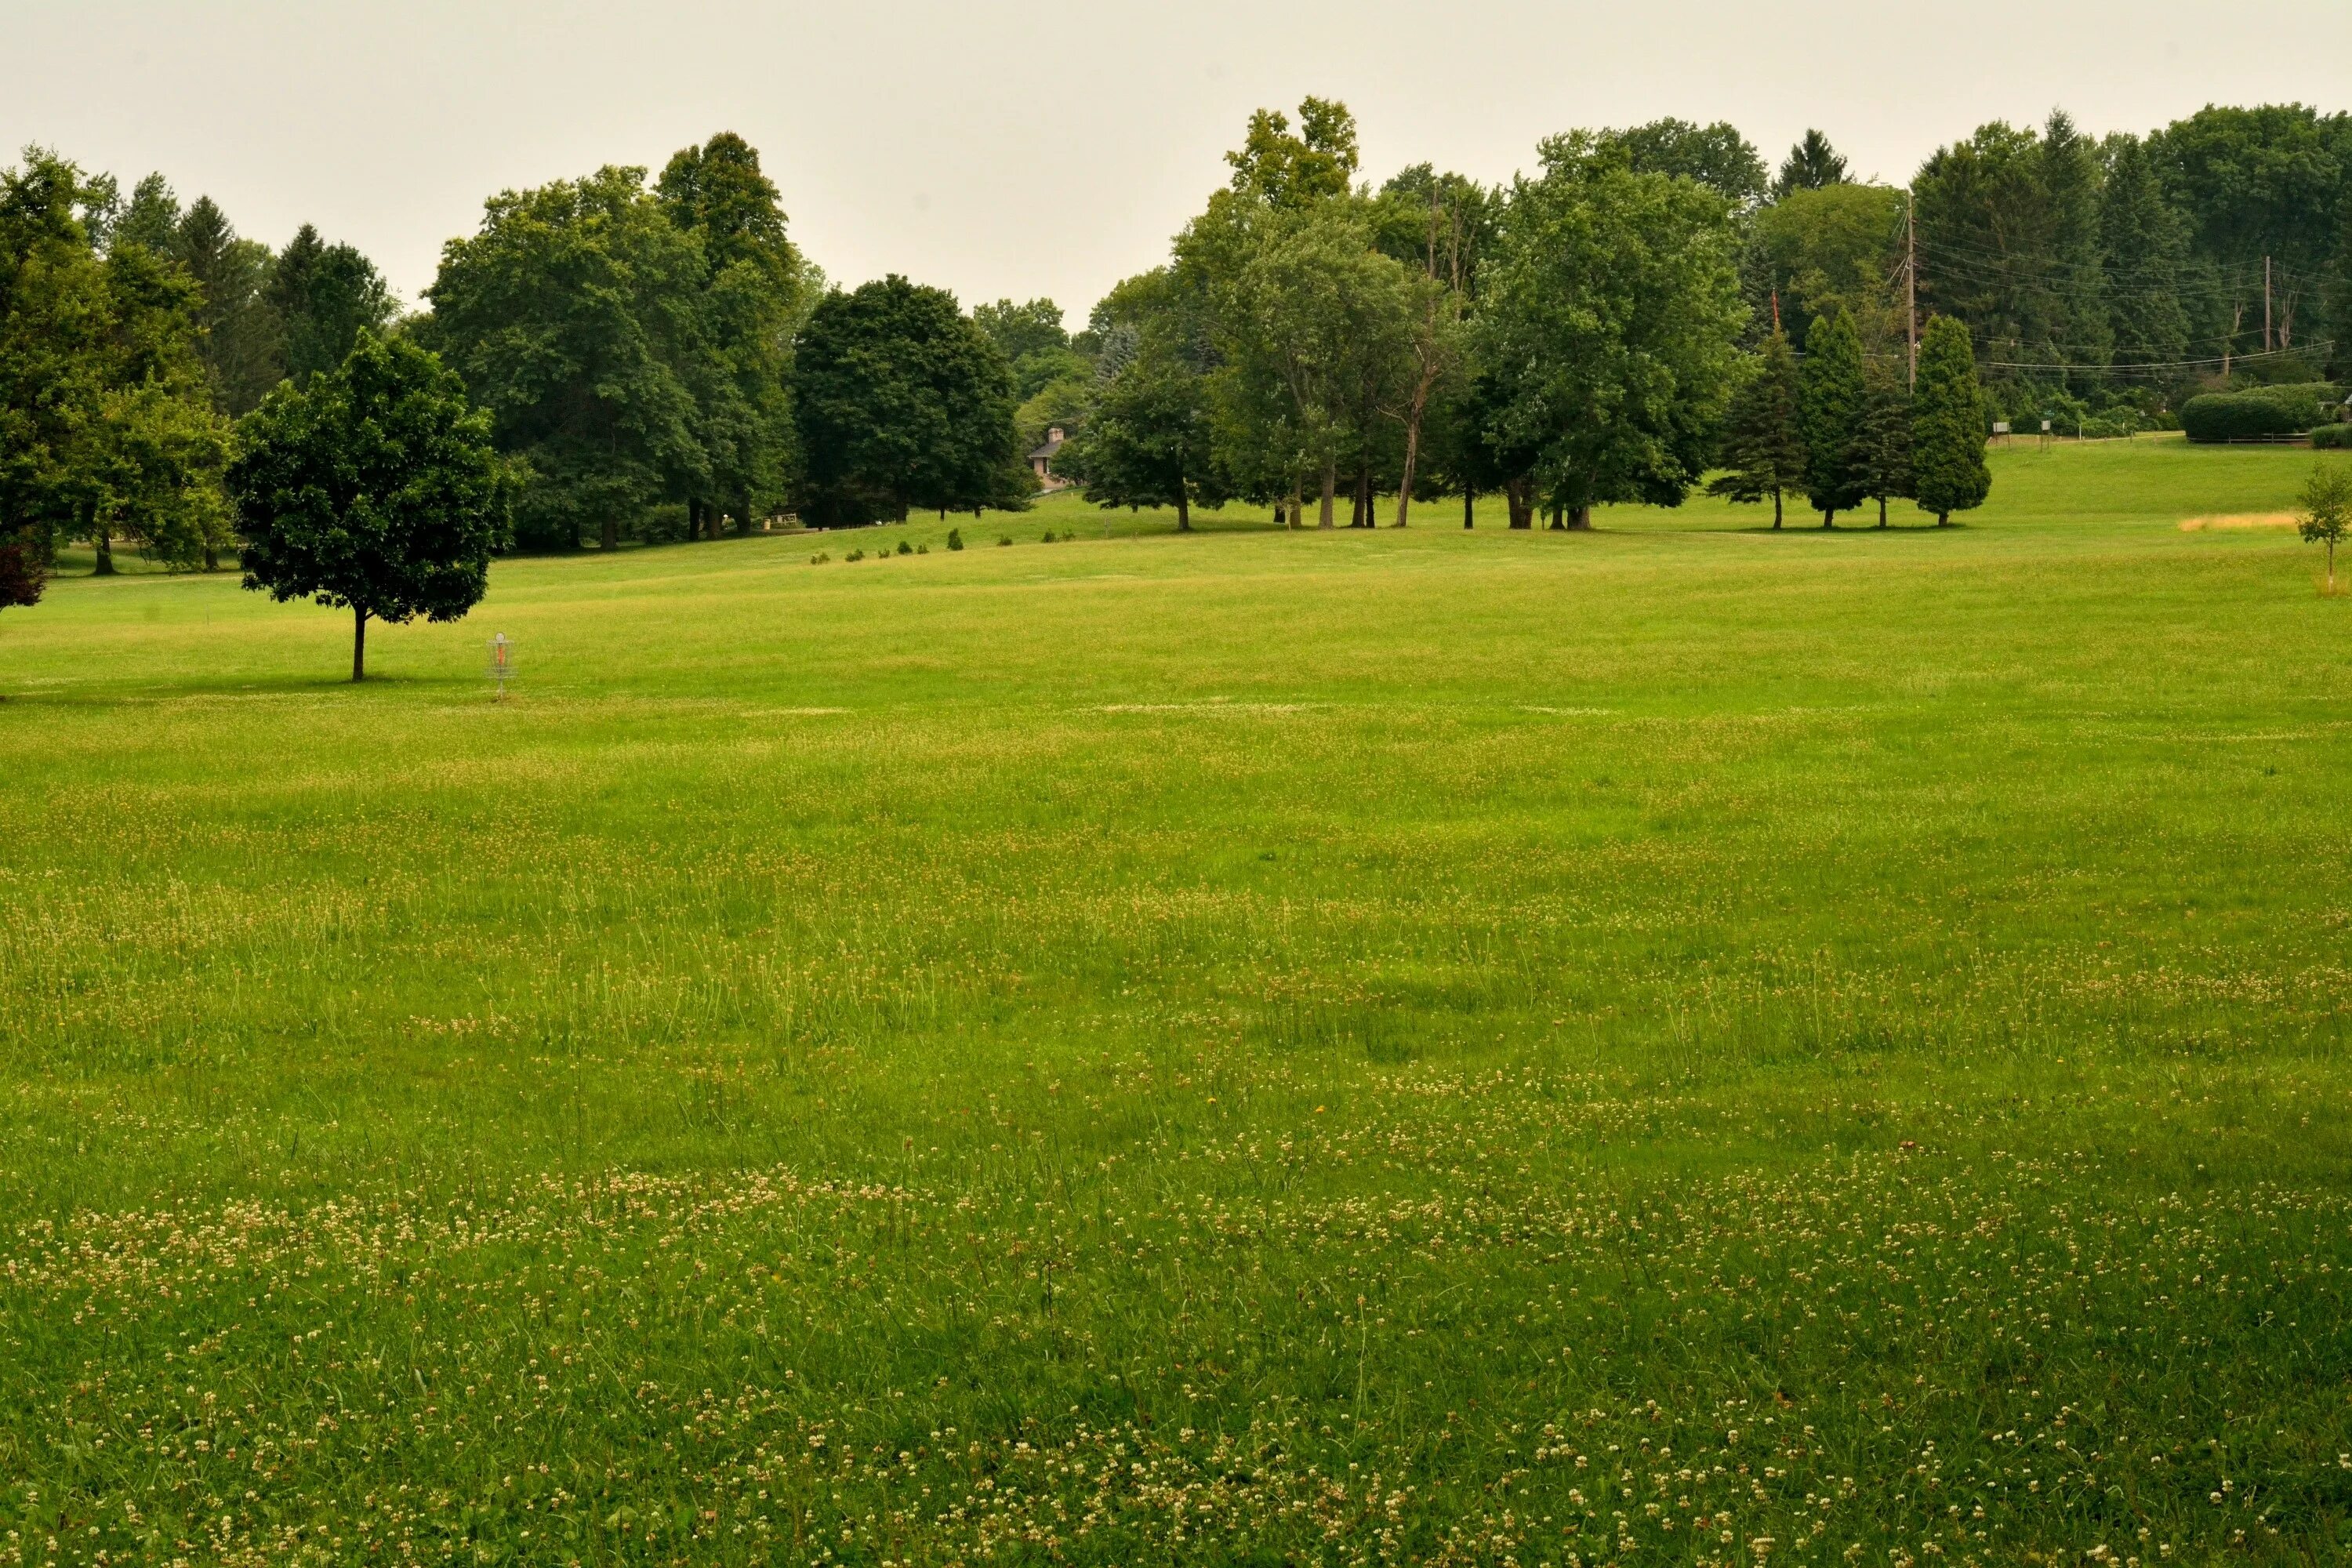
<point>1677,1044</point>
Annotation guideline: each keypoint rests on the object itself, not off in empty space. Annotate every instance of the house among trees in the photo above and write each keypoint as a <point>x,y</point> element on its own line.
<point>1041,460</point>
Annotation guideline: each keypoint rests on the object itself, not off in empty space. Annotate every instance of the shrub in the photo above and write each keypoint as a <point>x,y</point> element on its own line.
<point>1049,537</point>
<point>819,559</point>
<point>955,539</point>
<point>2259,411</point>
<point>922,550</point>
<point>854,556</point>
<point>1004,539</point>
<point>2337,437</point>
<point>905,548</point>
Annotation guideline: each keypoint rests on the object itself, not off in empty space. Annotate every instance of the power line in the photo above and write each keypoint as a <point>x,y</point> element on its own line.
<point>2173,365</point>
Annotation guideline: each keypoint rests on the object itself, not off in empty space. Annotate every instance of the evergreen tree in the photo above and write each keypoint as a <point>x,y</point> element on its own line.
<point>325,297</point>
<point>1810,165</point>
<point>1831,411</point>
<point>1765,448</point>
<point>1884,449</point>
<point>153,218</point>
<point>2144,245</point>
<point>239,338</point>
<point>1947,424</point>
<point>2069,177</point>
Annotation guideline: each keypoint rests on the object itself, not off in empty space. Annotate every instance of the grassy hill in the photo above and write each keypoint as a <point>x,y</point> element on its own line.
<point>1679,1043</point>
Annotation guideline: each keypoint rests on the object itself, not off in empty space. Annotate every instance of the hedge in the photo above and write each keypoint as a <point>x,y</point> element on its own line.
<point>2262,411</point>
<point>2332,436</point>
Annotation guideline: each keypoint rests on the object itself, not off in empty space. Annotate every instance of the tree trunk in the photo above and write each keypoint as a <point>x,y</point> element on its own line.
<point>1882,511</point>
<point>2331,568</point>
<point>693,518</point>
<point>358,644</point>
<point>1469,506</point>
<point>1298,500</point>
<point>1829,514</point>
<point>1364,495</point>
<point>1580,518</point>
<point>1943,519</point>
<point>1183,510</point>
<point>1555,525</point>
<point>103,542</point>
<point>212,559</point>
<point>1330,490</point>
<point>611,537</point>
<point>1515,497</point>
<point>1776,509</point>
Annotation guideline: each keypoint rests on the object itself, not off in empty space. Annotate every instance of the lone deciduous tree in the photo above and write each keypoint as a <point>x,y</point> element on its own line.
<point>1947,424</point>
<point>1765,452</point>
<point>2324,515</point>
<point>375,488</point>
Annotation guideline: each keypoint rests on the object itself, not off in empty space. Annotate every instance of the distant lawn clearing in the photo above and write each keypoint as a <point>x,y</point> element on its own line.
<point>1674,1044</point>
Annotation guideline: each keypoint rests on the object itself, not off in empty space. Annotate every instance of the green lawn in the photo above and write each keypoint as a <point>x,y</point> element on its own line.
<point>1674,1044</point>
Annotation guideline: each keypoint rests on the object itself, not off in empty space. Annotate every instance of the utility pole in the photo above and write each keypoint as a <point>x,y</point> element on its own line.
<point>1911,286</point>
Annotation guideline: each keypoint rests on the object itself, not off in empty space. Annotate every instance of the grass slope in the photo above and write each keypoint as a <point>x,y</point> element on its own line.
<point>1679,1045</point>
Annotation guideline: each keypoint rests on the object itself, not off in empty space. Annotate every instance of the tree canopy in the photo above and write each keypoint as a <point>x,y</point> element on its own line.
<point>375,488</point>
<point>902,402</point>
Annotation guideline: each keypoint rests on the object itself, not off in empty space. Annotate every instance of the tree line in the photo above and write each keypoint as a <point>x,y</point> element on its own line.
<point>652,357</point>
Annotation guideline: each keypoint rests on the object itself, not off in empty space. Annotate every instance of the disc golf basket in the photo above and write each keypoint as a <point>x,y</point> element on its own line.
<point>502,664</point>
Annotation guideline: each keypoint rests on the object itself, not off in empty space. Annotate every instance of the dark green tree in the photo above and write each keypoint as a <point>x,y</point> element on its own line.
<point>150,219</point>
<point>239,335</point>
<point>324,296</point>
<point>1764,445</point>
<point>576,316</point>
<point>54,310</point>
<point>751,304</point>
<point>1883,446</point>
<point>1608,329</point>
<point>376,488</point>
<point>1831,405</point>
<point>2144,250</point>
<point>1812,164</point>
<point>901,403</point>
<point>2266,183</point>
<point>1149,441</point>
<point>1947,424</point>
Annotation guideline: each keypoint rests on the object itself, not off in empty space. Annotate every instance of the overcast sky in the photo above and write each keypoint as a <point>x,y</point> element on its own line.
<point>1048,148</point>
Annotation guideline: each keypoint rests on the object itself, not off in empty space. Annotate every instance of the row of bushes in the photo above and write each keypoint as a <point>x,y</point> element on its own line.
<point>2339,435</point>
<point>2262,411</point>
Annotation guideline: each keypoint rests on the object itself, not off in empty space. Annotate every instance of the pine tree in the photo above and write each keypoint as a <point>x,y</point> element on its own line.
<point>1831,412</point>
<point>1884,447</point>
<point>2142,242</point>
<point>1765,448</point>
<point>1947,424</point>
<point>1812,164</point>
